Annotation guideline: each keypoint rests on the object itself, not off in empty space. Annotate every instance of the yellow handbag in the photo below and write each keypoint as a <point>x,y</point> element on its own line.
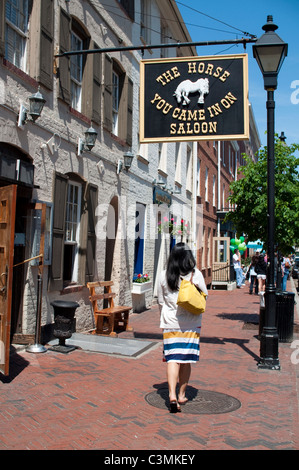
<point>191,298</point>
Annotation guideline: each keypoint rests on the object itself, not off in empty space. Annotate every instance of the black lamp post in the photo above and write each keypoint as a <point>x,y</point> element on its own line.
<point>269,52</point>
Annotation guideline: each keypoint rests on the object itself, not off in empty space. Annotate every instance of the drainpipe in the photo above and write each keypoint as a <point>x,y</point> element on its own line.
<point>194,200</point>
<point>219,197</point>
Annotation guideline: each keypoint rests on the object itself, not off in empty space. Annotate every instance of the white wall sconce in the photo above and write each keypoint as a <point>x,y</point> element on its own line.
<point>128,158</point>
<point>52,144</point>
<point>89,142</point>
<point>36,104</point>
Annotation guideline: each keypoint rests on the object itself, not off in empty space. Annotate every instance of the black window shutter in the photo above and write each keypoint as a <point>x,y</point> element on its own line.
<point>87,92</point>
<point>130,113</point>
<point>97,87</point>
<point>64,62</point>
<point>46,44</point>
<point>59,203</point>
<point>108,94</point>
<point>92,200</point>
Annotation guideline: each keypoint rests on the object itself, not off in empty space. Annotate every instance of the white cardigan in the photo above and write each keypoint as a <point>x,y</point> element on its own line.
<point>172,316</point>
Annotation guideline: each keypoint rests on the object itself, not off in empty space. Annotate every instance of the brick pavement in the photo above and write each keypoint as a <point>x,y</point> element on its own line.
<point>92,401</point>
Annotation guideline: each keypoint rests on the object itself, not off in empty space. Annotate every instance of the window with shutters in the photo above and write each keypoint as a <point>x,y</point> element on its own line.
<point>16,32</point>
<point>79,75</point>
<point>26,37</point>
<point>118,101</point>
<point>74,240</point>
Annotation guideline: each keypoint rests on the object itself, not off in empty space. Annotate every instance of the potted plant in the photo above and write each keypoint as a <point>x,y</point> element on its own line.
<point>141,284</point>
<point>174,229</point>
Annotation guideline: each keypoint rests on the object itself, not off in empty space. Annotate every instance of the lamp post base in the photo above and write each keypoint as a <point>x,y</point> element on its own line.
<point>270,364</point>
<point>269,350</point>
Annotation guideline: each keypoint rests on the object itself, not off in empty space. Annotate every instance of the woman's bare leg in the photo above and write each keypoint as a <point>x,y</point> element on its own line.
<point>173,369</point>
<point>184,376</point>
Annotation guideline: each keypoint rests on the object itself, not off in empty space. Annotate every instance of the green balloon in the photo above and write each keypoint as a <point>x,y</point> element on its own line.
<point>237,241</point>
<point>232,248</point>
<point>242,239</point>
<point>233,241</point>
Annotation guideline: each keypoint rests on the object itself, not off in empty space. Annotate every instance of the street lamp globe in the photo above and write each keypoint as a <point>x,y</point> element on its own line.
<point>270,52</point>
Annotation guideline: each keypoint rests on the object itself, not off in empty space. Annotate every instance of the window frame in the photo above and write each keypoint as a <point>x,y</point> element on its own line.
<point>145,21</point>
<point>84,266</point>
<point>115,101</point>
<point>76,82</point>
<point>207,185</point>
<point>74,241</point>
<point>18,33</point>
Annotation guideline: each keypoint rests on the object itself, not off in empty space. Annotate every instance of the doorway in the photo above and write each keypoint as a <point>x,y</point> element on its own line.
<point>17,170</point>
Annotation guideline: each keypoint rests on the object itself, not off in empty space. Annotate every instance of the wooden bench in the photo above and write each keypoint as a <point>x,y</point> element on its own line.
<point>117,315</point>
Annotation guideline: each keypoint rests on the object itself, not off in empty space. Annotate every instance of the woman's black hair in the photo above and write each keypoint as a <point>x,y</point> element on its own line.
<point>180,262</point>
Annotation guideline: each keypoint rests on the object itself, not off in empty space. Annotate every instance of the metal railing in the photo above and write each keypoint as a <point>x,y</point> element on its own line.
<point>221,273</point>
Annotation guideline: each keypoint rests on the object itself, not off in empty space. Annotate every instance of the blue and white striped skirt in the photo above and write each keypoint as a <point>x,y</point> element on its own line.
<point>181,346</point>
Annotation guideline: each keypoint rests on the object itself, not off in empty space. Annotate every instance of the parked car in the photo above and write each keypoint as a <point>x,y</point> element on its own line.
<point>295,268</point>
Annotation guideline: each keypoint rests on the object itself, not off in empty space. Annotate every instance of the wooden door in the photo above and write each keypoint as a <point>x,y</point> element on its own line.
<point>8,196</point>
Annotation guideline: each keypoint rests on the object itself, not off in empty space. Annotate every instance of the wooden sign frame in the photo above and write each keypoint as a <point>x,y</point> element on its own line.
<point>194,98</point>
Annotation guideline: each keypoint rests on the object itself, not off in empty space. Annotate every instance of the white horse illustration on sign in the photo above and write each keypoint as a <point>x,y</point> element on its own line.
<point>186,87</point>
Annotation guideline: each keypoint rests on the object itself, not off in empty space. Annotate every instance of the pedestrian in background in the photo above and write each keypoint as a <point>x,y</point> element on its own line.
<point>237,268</point>
<point>253,275</point>
<point>261,271</point>
<point>286,266</point>
<point>181,329</point>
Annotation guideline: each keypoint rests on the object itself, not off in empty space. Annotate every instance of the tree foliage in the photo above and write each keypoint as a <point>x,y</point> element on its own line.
<point>249,194</point>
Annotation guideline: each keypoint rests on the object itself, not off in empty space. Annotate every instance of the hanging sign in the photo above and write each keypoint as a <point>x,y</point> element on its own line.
<point>161,197</point>
<point>194,98</point>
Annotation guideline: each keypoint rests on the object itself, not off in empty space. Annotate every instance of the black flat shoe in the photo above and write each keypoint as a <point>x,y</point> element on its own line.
<point>174,407</point>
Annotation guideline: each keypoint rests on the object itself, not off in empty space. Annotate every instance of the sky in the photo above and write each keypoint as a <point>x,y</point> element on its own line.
<point>222,20</point>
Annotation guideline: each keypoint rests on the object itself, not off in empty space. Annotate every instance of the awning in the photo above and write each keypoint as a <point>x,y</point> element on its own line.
<point>257,245</point>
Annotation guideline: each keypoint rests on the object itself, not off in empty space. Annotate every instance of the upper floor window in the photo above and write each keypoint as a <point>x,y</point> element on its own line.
<point>118,100</point>
<point>189,169</point>
<point>79,75</point>
<point>115,102</point>
<point>76,72</point>
<point>128,5</point>
<point>145,21</point>
<point>16,14</point>
<point>214,190</point>
<point>207,185</point>
<point>198,178</point>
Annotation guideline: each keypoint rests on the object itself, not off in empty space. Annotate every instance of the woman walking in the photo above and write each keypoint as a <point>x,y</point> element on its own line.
<point>181,329</point>
<point>261,271</point>
<point>253,275</point>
